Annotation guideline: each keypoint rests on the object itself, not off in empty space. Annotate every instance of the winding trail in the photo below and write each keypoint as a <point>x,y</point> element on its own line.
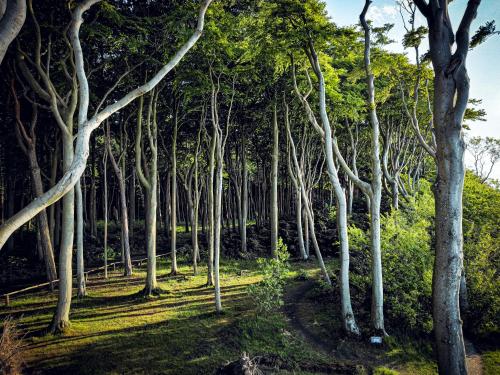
<point>294,299</point>
<point>357,361</point>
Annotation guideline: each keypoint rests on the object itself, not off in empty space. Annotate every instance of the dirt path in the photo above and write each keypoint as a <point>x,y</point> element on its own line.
<point>341,351</point>
<point>474,361</point>
<point>294,301</point>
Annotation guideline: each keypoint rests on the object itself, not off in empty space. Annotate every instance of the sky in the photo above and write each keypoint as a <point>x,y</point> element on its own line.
<point>483,63</point>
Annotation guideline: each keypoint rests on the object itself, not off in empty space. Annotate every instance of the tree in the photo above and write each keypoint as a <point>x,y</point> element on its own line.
<point>451,94</point>
<point>148,176</point>
<point>26,139</point>
<point>86,125</point>
<point>485,153</point>
<point>123,205</point>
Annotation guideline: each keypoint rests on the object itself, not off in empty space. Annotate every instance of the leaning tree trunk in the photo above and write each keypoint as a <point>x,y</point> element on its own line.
<point>348,319</point>
<point>85,125</point>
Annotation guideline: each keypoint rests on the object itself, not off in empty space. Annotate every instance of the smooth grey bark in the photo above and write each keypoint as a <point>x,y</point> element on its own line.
<point>244,198</point>
<point>451,94</point>
<point>173,198</point>
<point>60,320</point>
<point>54,162</point>
<point>86,125</point>
<point>377,310</point>
<point>80,264</point>
<point>305,198</point>
<point>218,218</point>
<point>131,201</point>
<point>210,205</point>
<point>148,178</point>
<point>273,213</point>
<point>105,210</point>
<point>348,319</point>
<point>93,191</point>
<point>11,22</point>
<point>193,195</point>
<point>219,139</point>
<point>298,218</point>
<point>123,207</point>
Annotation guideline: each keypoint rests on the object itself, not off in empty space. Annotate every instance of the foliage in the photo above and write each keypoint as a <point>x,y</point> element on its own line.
<point>482,254</point>
<point>268,294</point>
<point>483,33</point>
<point>407,261</point>
<point>109,254</point>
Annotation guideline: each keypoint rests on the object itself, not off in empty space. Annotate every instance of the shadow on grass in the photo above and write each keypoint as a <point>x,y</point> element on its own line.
<point>193,344</point>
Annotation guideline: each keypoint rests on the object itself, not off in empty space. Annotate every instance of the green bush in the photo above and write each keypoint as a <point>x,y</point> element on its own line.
<point>482,255</point>
<point>111,254</point>
<point>268,294</point>
<point>407,261</point>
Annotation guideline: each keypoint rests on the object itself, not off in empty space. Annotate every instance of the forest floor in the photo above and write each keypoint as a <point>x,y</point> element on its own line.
<point>114,330</point>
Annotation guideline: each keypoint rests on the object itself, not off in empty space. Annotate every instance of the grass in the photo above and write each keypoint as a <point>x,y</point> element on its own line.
<point>115,331</point>
<point>491,362</point>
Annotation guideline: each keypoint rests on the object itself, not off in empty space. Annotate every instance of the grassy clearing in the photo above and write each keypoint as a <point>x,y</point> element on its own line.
<point>116,331</point>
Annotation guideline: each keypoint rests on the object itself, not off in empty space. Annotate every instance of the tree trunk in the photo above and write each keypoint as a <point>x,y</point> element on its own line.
<point>48,251</point>
<point>298,217</point>
<point>85,125</point>
<point>60,321</point>
<point>377,308</point>
<point>131,200</point>
<point>105,211</point>
<point>123,207</point>
<point>274,186</point>
<point>93,192</point>
<point>210,209</point>
<point>173,200</point>
<point>244,199</point>
<point>218,218</point>
<point>80,266</point>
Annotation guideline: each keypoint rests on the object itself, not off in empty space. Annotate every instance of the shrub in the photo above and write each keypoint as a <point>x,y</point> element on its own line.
<point>268,294</point>
<point>11,349</point>
<point>407,261</point>
<point>111,254</point>
<point>482,255</point>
